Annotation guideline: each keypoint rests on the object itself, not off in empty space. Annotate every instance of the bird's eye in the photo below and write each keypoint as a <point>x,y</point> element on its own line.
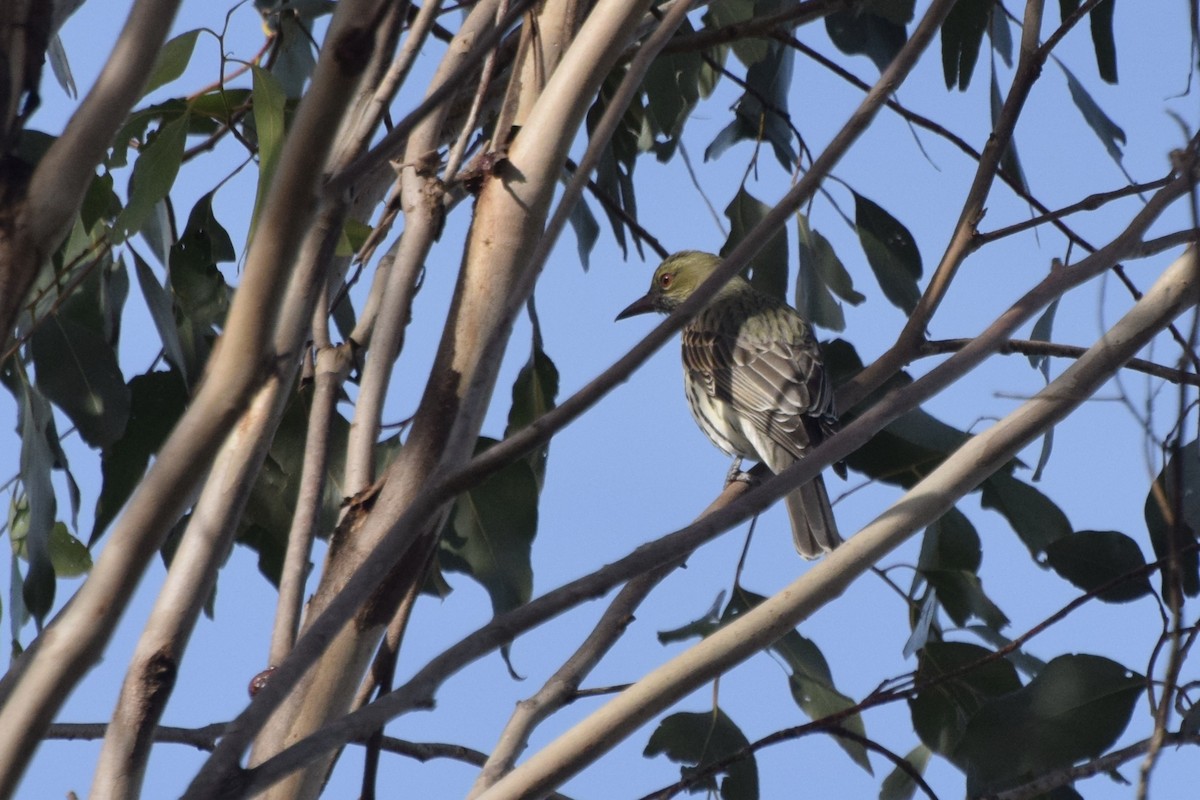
<point>665,280</point>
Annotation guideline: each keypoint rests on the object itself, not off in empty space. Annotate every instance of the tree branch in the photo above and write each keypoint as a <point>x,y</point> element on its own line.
<point>1178,288</point>
<point>1031,347</point>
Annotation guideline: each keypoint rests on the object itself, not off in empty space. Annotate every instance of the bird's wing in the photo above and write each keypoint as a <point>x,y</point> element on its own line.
<point>776,380</point>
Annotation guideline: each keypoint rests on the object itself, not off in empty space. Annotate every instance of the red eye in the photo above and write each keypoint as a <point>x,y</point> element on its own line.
<point>665,280</point>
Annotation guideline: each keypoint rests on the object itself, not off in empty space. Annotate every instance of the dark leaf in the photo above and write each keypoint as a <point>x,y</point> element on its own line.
<point>162,312</point>
<point>1001,36</point>
<point>198,287</point>
<point>810,682</point>
<point>1165,502</point>
<point>891,252</point>
<point>153,174</point>
<point>1042,330</point>
<point>899,785</point>
<point>940,711</point>
<point>533,394</point>
<point>864,33</point>
<point>923,626</point>
<point>730,12</point>
<point>697,628</point>
<point>822,272</point>
<point>587,231</point>
<point>1034,517</point>
<point>269,102</point>
<point>1075,709</point>
<point>962,35</point>
<point>34,522</point>
<point>1109,132</point>
<point>951,542</point>
<point>672,87</point>
<point>172,60</point>
<point>1090,559</point>
<point>695,739</point>
<point>490,533</point>
<point>761,114</point>
<point>156,400</point>
<point>961,594</point>
<point>77,370</point>
<point>767,271</point>
<point>1101,18</point>
<point>1030,665</point>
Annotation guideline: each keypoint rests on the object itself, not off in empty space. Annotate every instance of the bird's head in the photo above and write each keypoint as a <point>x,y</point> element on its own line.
<point>673,282</point>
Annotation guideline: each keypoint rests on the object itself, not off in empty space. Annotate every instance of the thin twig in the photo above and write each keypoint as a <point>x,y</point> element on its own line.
<point>1030,347</point>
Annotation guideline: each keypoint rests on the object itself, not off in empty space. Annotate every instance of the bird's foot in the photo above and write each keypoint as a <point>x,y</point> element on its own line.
<point>737,475</point>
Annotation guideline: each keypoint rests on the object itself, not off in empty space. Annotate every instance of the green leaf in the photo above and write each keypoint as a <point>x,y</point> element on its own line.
<point>1109,133</point>
<point>761,114</point>
<point>353,236</point>
<point>672,87</point>
<point>77,370</point>
<point>810,681</point>
<point>1042,330</point>
<point>269,102</point>
<point>490,533</point>
<point>33,523</point>
<point>153,174</point>
<point>172,60</point>
<point>161,309</point>
<point>767,271</point>
<point>899,785</point>
<point>198,287</point>
<point>864,33</point>
<point>1101,19</point>
<point>722,13</point>
<point>587,231</point>
<point>695,739</point>
<point>1075,709</point>
<point>156,401</point>
<point>273,498</point>
<point>961,594</point>
<point>951,542</point>
<point>940,711</point>
<point>698,628</point>
<point>822,272</point>
<point>68,555</point>
<point>1090,559</point>
<point>962,35</point>
<point>891,252</point>
<point>1165,502</point>
<point>1034,517</point>
<point>533,394</point>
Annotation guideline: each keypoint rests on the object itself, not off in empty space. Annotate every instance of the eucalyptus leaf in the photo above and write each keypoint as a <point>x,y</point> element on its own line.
<point>1092,559</point>
<point>172,60</point>
<point>153,174</point>
<point>891,252</point>
<point>698,738</point>
<point>767,270</point>
<point>962,35</point>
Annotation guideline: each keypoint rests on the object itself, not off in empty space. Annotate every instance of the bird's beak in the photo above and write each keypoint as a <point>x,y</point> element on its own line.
<point>643,305</point>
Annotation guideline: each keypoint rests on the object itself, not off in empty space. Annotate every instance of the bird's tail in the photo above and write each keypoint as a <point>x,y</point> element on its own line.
<point>813,526</point>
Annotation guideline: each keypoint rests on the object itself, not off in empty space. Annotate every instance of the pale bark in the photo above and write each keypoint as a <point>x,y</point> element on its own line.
<point>39,682</point>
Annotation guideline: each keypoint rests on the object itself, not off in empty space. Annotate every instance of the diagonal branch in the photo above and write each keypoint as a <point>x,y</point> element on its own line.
<point>1176,290</point>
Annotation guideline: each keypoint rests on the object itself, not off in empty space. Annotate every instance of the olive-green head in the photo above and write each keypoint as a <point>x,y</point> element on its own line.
<point>674,281</point>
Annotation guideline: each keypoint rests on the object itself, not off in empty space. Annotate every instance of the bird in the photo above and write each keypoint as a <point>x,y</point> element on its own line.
<point>755,382</point>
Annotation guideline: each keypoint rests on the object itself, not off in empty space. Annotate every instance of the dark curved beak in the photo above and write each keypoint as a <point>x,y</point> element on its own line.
<point>643,305</point>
